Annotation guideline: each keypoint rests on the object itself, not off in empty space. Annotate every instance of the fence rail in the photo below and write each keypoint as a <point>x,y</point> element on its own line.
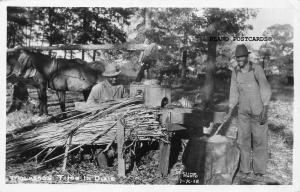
<point>125,46</point>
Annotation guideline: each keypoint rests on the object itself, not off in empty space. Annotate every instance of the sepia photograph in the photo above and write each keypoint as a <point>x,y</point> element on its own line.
<point>149,95</point>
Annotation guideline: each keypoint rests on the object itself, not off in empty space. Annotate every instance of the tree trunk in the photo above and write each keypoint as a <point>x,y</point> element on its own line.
<point>96,36</point>
<point>94,55</point>
<point>183,64</point>
<point>82,55</point>
<point>14,37</point>
<point>147,41</point>
<point>147,19</point>
<point>209,78</point>
<point>30,33</point>
<point>184,53</point>
<point>26,35</point>
<point>51,27</point>
<point>43,33</point>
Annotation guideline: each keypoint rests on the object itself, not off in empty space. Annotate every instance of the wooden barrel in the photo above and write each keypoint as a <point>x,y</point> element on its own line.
<point>214,159</point>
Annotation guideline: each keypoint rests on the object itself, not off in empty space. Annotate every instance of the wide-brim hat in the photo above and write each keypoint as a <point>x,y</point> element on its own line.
<point>111,70</point>
<point>241,50</point>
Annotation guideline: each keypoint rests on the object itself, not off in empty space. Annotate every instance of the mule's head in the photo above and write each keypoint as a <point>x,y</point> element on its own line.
<point>11,62</point>
<point>25,63</point>
<point>9,66</point>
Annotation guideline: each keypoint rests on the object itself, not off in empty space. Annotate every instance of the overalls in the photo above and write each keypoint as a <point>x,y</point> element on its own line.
<point>250,107</point>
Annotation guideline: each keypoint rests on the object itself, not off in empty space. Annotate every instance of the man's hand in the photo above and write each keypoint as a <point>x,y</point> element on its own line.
<point>264,115</point>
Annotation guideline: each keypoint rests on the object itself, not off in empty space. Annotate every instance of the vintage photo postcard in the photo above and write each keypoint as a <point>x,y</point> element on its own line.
<point>149,95</point>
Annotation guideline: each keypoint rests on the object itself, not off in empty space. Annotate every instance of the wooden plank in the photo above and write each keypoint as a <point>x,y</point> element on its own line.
<point>184,118</point>
<point>68,144</point>
<point>126,46</point>
<point>175,127</point>
<point>120,143</point>
<point>165,149</point>
<point>177,110</point>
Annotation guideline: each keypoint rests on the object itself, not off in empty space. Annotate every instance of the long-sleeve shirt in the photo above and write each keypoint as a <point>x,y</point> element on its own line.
<point>250,90</point>
<point>105,91</point>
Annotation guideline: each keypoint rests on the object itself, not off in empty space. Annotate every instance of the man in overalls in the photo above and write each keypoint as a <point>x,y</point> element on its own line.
<point>251,91</point>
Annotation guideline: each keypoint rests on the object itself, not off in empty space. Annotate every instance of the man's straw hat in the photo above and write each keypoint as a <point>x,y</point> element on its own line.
<point>111,70</point>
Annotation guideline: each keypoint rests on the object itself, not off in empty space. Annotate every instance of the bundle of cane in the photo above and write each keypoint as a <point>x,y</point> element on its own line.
<point>87,125</point>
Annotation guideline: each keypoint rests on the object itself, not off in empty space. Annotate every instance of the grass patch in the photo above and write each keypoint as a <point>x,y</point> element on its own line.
<point>280,165</point>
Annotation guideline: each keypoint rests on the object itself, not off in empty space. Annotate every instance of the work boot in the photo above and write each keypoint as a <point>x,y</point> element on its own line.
<point>243,176</point>
<point>261,178</point>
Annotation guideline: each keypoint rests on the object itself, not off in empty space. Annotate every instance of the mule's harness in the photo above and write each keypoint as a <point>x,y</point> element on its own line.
<point>55,68</point>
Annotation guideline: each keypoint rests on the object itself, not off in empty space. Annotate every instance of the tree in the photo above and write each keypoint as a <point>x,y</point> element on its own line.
<point>280,49</point>
<point>221,22</point>
<point>282,36</point>
<point>17,19</point>
<point>174,29</point>
<point>67,25</point>
<point>184,33</point>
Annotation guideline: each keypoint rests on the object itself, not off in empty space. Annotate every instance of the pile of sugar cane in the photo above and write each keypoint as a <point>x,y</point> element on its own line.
<point>98,126</point>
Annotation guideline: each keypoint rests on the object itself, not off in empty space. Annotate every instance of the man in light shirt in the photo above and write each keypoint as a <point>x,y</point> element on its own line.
<point>107,89</point>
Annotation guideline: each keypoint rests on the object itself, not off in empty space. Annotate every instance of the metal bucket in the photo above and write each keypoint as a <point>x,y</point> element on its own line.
<point>153,94</point>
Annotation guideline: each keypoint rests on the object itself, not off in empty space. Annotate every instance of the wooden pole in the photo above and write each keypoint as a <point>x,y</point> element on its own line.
<point>82,54</point>
<point>165,149</point>
<point>120,143</point>
<point>127,46</point>
<point>66,152</point>
<point>94,55</point>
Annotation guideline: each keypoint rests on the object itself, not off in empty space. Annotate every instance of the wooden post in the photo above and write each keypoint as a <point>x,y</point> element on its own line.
<point>120,142</point>
<point>66,152</point>
<point>164,158</point>
<point>82,54</point>
<point>94,55</point>
<point>165,148</point>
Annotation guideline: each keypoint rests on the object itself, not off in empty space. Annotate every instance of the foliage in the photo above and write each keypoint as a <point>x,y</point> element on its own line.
<point>172,28</point>
<point>16,19</point>
<point>61,25</point>
<point>280,50</point>
<point>187,30</point>
<point>282,36</point>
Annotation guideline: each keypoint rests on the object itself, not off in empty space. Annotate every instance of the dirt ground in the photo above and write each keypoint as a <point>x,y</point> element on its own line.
<point>146,172</point>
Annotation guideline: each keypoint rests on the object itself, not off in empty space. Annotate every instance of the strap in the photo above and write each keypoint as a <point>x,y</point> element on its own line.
<point>251,68</point>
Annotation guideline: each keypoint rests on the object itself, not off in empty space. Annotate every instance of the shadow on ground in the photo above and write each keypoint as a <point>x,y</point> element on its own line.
<point>282,131</point>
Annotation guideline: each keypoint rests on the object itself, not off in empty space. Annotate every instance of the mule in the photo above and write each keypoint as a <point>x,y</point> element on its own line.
<point>19,94</point>
<point>59,74</point>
